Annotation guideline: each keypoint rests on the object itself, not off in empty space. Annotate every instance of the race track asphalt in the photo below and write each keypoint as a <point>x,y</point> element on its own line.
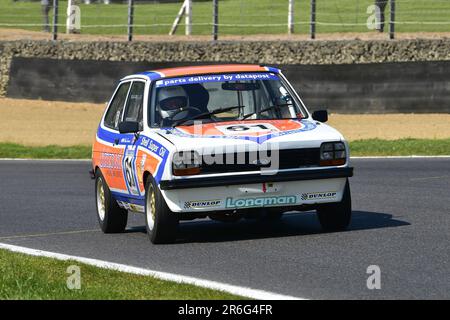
<point>401,223</point>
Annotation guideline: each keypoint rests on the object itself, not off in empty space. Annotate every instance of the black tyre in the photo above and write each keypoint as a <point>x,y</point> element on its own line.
<point>160,222</point>
<point>336,216</point>
<point>111,218</point>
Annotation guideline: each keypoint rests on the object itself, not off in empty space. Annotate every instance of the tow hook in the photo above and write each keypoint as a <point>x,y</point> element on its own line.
<point>92,174</point>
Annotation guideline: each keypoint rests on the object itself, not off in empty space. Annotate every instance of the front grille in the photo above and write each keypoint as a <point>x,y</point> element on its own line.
<point>251,161</point>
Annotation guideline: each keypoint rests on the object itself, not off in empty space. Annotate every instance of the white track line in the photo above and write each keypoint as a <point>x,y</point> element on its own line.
<point>241,291</point>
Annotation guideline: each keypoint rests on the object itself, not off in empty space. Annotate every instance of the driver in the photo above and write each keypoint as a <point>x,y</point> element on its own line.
<point>172,100</point>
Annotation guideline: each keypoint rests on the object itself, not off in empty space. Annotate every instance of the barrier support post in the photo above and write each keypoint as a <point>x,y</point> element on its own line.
<point>55,20</point>
<point>392,21</point>
<point>215,30</point>
<point>291,17</point>
<point>188,17</point>
<point>313,19</point>
<point>130,19</point>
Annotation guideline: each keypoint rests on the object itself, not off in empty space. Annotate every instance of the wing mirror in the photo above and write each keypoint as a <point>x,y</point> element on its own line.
<point>320,115</point>
<point>129,127</point>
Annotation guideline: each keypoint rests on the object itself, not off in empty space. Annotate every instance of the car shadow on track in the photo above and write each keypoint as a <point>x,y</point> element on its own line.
<point>291,224</point>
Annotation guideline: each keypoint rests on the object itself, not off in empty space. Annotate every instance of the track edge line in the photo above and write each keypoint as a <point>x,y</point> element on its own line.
<point>208,284</point>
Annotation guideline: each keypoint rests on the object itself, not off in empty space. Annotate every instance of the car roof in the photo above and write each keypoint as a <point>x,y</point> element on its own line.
<point>208,69</point>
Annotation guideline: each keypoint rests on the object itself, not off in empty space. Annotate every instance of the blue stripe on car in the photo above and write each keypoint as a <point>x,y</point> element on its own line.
<point>158,149</point>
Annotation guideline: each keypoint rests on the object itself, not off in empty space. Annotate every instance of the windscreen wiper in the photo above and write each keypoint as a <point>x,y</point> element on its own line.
<point>266,109</point>
<point>205,114</point>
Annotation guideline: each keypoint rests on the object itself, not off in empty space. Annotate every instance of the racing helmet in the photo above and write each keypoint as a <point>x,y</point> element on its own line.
<point>171,100</point>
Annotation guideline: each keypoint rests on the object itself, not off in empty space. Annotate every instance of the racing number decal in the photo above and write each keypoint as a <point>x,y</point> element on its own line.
<point>130,170</point>
<point>247,128</point>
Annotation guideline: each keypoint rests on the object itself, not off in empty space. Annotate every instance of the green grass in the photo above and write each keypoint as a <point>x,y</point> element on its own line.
<point>12,150</point>
<point>403,147</point>
<point>28,277</point>
<point>369,147</point>
<point>243,12</point>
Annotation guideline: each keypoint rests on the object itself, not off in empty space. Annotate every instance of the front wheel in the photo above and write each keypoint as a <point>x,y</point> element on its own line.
<point>161,223</point>
<point>336,216</point>
<point>111,218</point>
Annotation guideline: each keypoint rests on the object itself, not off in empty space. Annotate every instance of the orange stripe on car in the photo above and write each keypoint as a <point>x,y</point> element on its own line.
<point>186,71</point>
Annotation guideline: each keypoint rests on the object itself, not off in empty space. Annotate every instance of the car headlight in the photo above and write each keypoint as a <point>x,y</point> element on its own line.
<point>186,163</point>
<point>333,154</point>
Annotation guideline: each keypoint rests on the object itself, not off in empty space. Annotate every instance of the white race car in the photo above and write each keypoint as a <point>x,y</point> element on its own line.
<point>225,142</point>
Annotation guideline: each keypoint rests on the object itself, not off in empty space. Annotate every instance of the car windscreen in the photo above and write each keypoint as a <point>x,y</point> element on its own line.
<point>223,97</point>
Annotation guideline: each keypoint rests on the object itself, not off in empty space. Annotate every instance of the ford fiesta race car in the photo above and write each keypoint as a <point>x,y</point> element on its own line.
<point>224,142</point>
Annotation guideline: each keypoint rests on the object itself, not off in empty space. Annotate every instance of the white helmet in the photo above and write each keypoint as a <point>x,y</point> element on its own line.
<point>171,100</point>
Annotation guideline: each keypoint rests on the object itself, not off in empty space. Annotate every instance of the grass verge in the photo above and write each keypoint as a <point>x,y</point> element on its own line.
<point>235,16</point>
<point>29,277</point>
<point>367,147</point>
<point>12,150</point>
<point>402,147</point>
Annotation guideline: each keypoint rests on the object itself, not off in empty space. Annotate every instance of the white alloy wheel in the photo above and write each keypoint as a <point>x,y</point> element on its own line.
<point>100,199</point>
<point>151,207</point>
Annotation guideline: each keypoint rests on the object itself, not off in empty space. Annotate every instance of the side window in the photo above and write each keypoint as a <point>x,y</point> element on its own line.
<point>115,110</point>
<point>133,110</point>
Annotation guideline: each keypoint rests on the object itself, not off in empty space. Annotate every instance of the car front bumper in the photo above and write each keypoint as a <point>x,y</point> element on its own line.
<point>284,189</point>
<point>291,175</point>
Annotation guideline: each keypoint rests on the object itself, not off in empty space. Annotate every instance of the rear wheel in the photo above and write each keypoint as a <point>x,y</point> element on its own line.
<point>161,223</point>
<point>336,216</point>
<point>111,218</point>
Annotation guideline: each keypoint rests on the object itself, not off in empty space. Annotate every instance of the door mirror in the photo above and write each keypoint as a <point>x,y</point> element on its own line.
<point>320,115</point>
<point>129,127</point>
